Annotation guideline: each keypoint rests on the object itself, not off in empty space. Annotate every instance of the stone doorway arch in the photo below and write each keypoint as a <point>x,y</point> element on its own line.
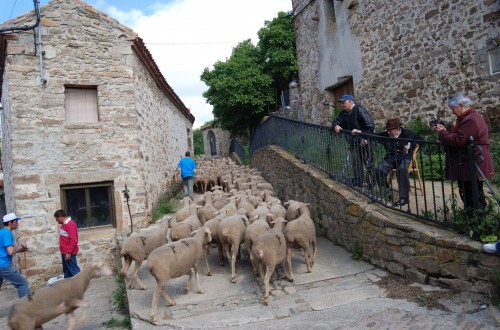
<point>213,143</point>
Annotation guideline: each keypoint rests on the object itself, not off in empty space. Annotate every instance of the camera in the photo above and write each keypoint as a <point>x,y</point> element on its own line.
<point>434,122</point>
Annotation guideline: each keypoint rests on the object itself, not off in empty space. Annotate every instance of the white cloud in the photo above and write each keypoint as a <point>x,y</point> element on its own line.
<point>186,36</point>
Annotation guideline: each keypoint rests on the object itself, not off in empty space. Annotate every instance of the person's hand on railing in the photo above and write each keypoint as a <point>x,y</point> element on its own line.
<point>407,147</point>
<point>338,129</point>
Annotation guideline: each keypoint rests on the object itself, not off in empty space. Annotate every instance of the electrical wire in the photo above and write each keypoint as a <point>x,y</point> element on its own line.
<point>14,6</point>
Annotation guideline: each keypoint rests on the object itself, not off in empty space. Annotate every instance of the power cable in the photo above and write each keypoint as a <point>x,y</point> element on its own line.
<point>14,6</point>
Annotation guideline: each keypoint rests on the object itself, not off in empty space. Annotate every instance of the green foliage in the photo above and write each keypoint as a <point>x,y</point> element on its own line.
<point>495,282</point>
<point>277,52</point>
<point>357,252</point>
<point>120,295</point>
<point>198,142</point>
<point>420,127</point>
<point>238,90</point>
<point>114,323</point>
<point>495,154</point>
<point>479,224</point>
<point>165,207</point>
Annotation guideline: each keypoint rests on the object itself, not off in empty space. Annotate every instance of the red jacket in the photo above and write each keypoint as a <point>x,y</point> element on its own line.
<point>68,238</point>
<point>472,124</point>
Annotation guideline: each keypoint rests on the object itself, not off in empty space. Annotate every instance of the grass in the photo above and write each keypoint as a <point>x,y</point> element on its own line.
<point>120,301</point>
<point>165,207</point>
<point>357,252</point>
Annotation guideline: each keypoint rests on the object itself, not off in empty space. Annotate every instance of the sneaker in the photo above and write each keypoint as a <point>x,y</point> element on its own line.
<point>490,248</point>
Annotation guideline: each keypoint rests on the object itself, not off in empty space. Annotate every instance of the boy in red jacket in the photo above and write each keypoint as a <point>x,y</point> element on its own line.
<point>68,243</point>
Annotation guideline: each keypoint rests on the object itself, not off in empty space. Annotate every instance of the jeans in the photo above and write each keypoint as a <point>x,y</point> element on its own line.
<point>188,182</point>
<point>13,276</point>
<point>70,267</point>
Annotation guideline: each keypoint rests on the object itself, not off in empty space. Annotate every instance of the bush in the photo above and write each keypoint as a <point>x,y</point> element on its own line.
<point>165,207</point>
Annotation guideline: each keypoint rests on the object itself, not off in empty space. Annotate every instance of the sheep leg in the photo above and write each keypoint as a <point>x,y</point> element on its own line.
<point>233,262</point>
<point>70,320</point>
<point>124,271</point>
<point>196,275</point>
<point>138,264</point>
<point>206,254</point>
<point>315,251</point>
<point>267,276</point>
<point>188,283</point>
<point>289,262</point>
<point>306,257</point>
<point>220,254</point>
<point>252,261</point>
<point>75,303</point>
<point>156,297</point>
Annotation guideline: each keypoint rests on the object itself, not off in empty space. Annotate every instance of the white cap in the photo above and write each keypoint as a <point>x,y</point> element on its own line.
<point>10,216</point>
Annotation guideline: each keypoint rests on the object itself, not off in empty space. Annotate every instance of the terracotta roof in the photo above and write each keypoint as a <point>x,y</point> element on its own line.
<point>147,59</point>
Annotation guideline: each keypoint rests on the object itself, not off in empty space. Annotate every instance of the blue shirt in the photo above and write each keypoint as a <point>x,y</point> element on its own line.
<point>6,239</point>
<point>187,166</point>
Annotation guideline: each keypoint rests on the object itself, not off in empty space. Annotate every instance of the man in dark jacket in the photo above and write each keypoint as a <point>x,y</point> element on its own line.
<point>398,156</point>
<point>355,117</point>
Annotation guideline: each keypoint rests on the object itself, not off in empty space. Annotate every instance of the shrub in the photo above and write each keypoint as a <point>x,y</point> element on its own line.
<point>165,207</point>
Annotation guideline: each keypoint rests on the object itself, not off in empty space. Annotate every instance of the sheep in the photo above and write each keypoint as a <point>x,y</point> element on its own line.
<point>231,233</point>
<point>301,233</point>
<point>262,209</point>
<point>137,247</point>
<point>251,233</point>
<point>174,260</point>
<point>269,249</point>
<point>277,210</point>
<point>49,302</point>
<point>213,225</point>
<point>183,229</point>
<point>292,209</point>
<point>243,203</point>
<point>185,211</point>
<point>207,211</point>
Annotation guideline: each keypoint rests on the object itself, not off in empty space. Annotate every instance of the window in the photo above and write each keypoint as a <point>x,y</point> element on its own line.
<point>81,104</point>
<point>89,205</point>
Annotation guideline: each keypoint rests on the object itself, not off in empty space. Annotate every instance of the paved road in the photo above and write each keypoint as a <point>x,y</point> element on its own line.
<point>340,293</point>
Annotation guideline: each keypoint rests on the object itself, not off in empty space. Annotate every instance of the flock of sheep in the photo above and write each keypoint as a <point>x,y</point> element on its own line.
<point>237,207</point>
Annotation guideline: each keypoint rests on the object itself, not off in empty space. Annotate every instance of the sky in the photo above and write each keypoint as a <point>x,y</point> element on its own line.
<point>184,36</point>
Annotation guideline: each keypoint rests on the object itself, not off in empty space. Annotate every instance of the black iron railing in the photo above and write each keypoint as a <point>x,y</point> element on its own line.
<point>356,162</point>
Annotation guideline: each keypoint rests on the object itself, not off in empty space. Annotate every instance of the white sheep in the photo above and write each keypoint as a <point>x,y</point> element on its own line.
<point>174,260</point>
<point>251,233</point>
<point>269,249</point>
<point>184,212</point>
<point>183,229</point>
<point>231,234</point>
<point>207,211</point>
<point>301,233</point>
<point>138,246</point>
<point>49,302</point>
<point>292,209</point>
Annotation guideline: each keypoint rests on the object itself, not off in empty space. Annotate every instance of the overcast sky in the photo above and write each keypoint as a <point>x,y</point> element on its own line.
<point>184,36</point>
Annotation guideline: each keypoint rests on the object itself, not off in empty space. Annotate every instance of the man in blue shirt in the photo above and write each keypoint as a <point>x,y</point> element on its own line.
<point>7,249</point>
<point>187,168</point>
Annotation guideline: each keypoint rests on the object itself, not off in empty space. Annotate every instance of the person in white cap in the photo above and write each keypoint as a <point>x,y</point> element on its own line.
<point>7,249</point>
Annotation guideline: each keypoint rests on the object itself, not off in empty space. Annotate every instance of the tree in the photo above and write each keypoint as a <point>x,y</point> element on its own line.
<point>238,90</point>
<point>277,51</point>
<point>198,142</point>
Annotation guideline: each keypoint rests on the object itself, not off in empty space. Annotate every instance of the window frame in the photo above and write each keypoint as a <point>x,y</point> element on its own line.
<point>87,186</point>
<point>69,106</point>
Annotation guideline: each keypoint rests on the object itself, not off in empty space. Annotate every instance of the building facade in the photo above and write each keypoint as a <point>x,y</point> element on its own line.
<point>399,58</point>
<point>215,141</point>
<point>88,118</point>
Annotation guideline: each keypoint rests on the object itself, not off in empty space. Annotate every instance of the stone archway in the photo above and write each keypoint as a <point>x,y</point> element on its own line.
<point>213,143</point>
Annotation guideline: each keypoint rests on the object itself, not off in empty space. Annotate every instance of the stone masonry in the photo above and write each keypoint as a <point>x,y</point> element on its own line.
<point>405,58</point>
<point>142,132</point>
<point>222,138</point>
<point>389,240</point>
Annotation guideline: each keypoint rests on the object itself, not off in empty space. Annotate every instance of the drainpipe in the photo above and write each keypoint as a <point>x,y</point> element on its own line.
<point>40,51</point>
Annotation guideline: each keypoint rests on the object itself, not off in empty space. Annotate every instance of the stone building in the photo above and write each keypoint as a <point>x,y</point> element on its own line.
<point>90,116</point>
<point>215,141</point>
<point>399,58</point>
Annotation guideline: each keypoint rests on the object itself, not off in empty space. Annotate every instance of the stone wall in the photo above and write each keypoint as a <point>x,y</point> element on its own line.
<point>388,239</point>
<point>139,138</point>
<point>222,138</point>
<point>405,60</point>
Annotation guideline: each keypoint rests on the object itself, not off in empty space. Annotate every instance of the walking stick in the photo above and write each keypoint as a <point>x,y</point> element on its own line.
<point>127,197</point>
